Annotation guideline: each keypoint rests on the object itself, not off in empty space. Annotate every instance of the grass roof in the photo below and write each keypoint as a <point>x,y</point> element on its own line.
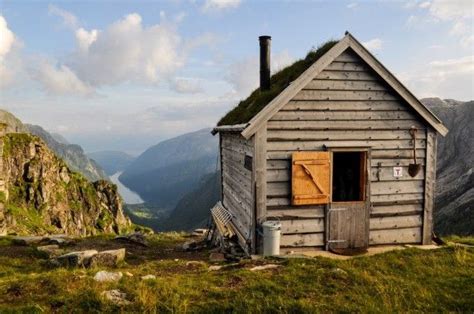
<point>249,107</point>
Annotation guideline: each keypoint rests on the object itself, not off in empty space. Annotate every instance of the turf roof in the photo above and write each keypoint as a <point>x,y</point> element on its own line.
<point>249,107</point>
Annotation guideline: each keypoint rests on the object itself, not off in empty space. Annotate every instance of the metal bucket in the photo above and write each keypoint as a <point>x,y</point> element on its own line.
<point>271,238</point>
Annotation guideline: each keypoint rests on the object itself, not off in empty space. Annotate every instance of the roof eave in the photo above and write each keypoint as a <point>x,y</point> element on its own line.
<point>229,128</point>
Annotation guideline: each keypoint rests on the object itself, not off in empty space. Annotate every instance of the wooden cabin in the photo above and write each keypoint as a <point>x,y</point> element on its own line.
<point>326,146</point>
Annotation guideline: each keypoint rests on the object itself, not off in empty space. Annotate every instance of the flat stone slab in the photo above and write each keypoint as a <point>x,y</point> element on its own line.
<point>28,240</point>
<point>106,276</point>
<point>264,267</point>
<point>109,258</point>
<point>75,259</point>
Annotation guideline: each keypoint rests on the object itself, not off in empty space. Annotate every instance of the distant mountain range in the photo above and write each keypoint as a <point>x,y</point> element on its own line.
<point>454,205</point>
<point>112,161</point>
<point>166,172</point>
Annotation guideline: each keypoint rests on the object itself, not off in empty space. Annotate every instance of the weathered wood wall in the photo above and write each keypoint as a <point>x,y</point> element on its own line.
<point>237,185</point>
<point>347,103</point>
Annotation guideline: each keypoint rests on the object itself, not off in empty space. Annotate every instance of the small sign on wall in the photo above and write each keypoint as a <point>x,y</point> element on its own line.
<point>397,172</point>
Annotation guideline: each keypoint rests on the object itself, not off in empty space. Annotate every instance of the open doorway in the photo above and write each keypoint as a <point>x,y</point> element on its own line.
<point>348,178</point>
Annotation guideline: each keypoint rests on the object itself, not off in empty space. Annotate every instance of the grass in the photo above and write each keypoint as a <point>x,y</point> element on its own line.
<point>410,280</point>
<point>461,240</point>
<point>249,107</point>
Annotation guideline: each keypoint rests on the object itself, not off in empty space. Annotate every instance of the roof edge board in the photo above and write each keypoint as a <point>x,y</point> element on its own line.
<point>404,92</point>
<point>295,86</point>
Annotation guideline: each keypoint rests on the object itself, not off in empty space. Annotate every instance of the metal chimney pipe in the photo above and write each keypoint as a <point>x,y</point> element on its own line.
<point>265,43</point>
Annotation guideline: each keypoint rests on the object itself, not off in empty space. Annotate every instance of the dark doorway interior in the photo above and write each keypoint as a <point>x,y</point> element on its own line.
<point>348,181</point>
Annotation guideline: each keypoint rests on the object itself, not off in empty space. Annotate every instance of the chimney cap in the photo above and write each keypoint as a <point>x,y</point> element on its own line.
<point>264,37</point>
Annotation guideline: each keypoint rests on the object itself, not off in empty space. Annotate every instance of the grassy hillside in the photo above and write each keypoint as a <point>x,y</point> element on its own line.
<point>193,210</point>
<point>410,280</point>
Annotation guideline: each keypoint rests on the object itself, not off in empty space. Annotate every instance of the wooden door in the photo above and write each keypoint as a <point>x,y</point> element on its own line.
<point>348,221</point>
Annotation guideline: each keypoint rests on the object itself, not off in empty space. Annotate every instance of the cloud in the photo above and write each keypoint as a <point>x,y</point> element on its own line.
<point>219,5</point>
<point>373,44</point>
<point>10,59</point>
<point>84,38</point>
<point>459,13</point>
<point>69,19</point>
<point>352,5</point>
<point>186,86</point>
<point>449,78</point>
<point>60,80</point>
<point>425,4</point>
<point>124,51</point>
<point>243,75</point>
<point>451,9</point>
<point>7,38</point>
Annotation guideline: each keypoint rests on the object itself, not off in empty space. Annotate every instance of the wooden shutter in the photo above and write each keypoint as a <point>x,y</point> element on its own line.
<point>310,175</point>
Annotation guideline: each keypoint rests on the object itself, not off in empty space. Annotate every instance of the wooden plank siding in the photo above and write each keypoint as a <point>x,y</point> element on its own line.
<point>348,104</point>
<point>237,182</point>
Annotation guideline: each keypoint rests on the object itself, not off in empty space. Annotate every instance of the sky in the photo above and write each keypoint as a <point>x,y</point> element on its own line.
<point>124,75</point>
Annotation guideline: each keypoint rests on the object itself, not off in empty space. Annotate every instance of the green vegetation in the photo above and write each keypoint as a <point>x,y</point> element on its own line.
<point>28,220</point>
<point>409,280</point>
<point>458,239</point>
<point>12,140</point>
<point>249,107</point>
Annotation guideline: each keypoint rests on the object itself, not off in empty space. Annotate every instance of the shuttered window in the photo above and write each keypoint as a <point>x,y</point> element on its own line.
<point>310,173</point>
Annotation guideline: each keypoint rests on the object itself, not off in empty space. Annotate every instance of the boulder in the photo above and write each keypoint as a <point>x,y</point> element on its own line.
<point>195,264</point>
<point>75,259</point>
<point>215,267</point>
<point>106,276</point>
<point>51,250</point>
<point>116,296</point>
<point>135,238</point>
<point>216,257</point>
<point>149,277</point>
<point>60,240</point>
<point>189,245</point>
<point>107,258</point>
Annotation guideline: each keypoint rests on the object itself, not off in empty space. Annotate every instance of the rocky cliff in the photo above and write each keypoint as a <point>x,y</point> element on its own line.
<point>454,205</point>
<point>72,154</point>
<point>39,194</point>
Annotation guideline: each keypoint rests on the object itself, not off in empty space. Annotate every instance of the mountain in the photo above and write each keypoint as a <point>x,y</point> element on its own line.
<point>164,173</point>
<point>111,161</point>
<point>72,154</point>
<point>40,194</point>
<point>454,205</point>
<point>10,123</point>
<point>192,211</point>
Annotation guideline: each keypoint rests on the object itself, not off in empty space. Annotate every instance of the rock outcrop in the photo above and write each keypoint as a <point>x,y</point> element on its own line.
<point>72,154</point>
<point>454,205</point>
<point>39,194</point>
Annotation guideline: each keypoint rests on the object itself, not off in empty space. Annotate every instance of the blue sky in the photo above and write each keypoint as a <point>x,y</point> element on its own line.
<point>126,74</point>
